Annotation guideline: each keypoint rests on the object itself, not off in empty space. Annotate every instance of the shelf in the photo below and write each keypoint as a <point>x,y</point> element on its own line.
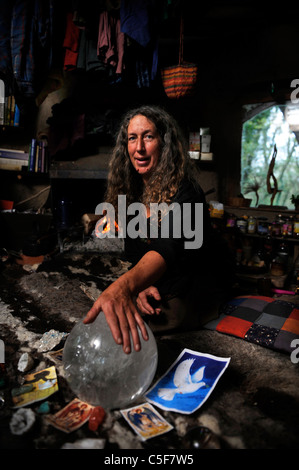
<point>273,237</point>
<point>90,167</point>
<point>77,174</point>
<point>263,211</point>
<point>20,174</point>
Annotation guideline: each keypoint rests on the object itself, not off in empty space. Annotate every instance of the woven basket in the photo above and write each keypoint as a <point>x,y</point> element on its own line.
<point>180,80</point>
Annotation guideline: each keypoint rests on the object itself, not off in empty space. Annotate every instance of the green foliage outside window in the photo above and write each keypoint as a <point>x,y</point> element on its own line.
<point>260,135</point>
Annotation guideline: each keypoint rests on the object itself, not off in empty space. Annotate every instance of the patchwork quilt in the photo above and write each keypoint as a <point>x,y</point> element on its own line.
<point>261,320</point>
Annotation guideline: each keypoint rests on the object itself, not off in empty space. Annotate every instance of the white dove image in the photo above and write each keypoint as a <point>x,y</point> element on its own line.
<point>184,382</point>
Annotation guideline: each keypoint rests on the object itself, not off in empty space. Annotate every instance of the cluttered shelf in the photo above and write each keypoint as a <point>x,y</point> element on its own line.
<point>260,211</point>
<point>265,245</point>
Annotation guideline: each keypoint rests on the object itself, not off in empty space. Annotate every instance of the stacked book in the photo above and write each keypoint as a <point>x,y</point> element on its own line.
<point>35,161</point>
<point>38,161</point>
<point>9,112</point>
<point>12,159</point>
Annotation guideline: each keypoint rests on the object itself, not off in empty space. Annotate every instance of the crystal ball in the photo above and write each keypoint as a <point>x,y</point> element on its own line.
<point>100,373</point>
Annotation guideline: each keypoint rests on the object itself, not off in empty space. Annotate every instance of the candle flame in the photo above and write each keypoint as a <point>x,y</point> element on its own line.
<point>104,226</point>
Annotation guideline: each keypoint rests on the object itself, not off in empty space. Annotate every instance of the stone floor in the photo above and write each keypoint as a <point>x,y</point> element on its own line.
<point>255,404</point>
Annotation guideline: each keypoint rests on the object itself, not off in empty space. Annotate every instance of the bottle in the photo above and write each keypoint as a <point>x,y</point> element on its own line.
<point>279,264</point>
<point>268,250</point>
<point>231,220</point>
<point>251,224</point>
<point>285,226</point>
<point>278,226</point>
<point>290,226</point>
<point>262,226</point>
<point>283,252</point>
<point>242,224</point>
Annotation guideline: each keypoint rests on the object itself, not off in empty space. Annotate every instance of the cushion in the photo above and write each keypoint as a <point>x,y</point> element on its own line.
<point>261,320</point>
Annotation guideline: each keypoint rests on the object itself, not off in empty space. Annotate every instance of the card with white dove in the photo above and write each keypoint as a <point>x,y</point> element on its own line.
<point>188,383</point>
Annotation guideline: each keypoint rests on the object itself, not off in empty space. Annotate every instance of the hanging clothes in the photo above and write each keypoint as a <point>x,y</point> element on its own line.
<point>135,17</point>
<point>31,43</point>
<point>138,22</point>
<point>5,57</point>
<point>71,43</point>
<point>111,41</point>
<point>88,59</point>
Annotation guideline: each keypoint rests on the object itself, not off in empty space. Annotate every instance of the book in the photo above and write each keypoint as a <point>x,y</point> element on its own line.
<point>10,114</point>
<point>12,164</point>
<point>38,157</point>
<point>32,155</point>
<point>14,154</point>
<point>16,121</point>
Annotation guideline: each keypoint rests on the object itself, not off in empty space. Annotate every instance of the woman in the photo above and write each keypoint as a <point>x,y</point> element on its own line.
<point>151,164</point>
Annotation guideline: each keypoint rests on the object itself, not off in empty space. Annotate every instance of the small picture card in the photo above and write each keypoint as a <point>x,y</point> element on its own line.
<point>71,417</point>
<point>188,383</point>
<point>37,386</point>
<point>146,421</point>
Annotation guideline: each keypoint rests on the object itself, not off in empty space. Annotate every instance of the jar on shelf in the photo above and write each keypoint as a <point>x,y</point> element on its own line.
<point>279,264</point>
<point>290,226</point>
<point>296,228</point>
<point>277,267</point>
<point>262,226</point>
<point>285,227</point>
<point>242,224</point>
<point>251,228</point>
<point>276,228</point>
<point>231,220</point>
<point>268,249</point>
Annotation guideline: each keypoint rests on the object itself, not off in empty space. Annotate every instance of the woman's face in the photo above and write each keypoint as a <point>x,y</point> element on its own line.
<point>144,145</point>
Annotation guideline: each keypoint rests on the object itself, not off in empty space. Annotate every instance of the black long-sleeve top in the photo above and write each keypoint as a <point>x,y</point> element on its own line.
<point>182,263</point>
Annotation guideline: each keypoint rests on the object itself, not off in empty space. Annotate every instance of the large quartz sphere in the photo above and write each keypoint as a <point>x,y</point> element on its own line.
<point>100,373</point>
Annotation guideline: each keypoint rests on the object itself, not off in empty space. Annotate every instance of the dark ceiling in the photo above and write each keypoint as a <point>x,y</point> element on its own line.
<point>235,43</point>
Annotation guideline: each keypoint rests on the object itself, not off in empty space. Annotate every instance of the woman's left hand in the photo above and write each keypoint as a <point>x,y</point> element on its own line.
<point>144,301</point>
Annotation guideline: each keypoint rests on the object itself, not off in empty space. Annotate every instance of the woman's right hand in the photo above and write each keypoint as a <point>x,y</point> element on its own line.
<point>143,301</point>
<point>116,303</point>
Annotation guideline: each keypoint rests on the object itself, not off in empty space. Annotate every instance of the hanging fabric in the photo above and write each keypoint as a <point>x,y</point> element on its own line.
<point>180,80</point>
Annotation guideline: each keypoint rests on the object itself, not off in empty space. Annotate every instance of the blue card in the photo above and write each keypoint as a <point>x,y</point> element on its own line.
<point>188,383</point>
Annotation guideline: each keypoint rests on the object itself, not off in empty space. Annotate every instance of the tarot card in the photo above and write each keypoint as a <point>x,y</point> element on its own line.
<point>71,417</point>
<point>37,386</point>
<point>188,383</point>
<point>146,421</point>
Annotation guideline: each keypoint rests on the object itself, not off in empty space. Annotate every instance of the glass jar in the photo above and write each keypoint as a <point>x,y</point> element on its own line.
<point>242,225</point>
<point>231,220</point>
<point>285,227</point>
<point>262,226</point>
<point>251,228</point>
<point>277,266</point>
<point>276,229</point>
<point>296,228</point>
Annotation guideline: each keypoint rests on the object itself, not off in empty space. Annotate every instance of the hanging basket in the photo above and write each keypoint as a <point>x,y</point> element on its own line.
<point>180,80</point>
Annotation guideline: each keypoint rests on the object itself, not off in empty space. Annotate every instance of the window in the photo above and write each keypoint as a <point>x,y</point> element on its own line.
<point>270,133</point>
